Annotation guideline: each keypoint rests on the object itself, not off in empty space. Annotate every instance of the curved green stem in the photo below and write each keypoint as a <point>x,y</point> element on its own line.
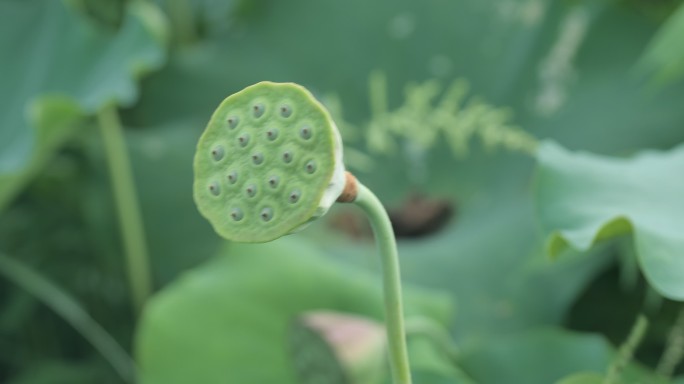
<point>130,219</point>
<point>384,236</point>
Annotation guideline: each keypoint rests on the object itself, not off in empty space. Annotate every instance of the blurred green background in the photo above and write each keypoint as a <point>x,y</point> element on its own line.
<point>529,153</point>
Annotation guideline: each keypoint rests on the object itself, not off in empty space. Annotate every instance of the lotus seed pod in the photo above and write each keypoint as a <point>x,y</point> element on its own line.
<point>337,348</point>
<point>268,163</point>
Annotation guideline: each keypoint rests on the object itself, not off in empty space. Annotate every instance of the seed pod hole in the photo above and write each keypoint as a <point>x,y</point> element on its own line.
<point>217,153</point>
<point>233,122</point>
<point>305,133</point>
<point>251,190</point>
<point>258,158</point>
<point>214,189</point>
<point>272,134</point>
<point>266,214</point>
<point>258,110</point>
<point>288,156</point>
<point>310,167</point>
<point>236,214</point>
<point>232,177</point>
<point>243,140</point>
<point>285,110</point>
<point>273,181</point>
<point>294,196</point>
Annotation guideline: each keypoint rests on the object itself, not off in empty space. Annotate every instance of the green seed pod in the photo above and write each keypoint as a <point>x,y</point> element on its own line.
<point>268,163</point>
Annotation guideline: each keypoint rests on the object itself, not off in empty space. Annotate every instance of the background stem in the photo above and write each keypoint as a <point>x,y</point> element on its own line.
<point>384,236</point>
<point>674,349</point>
<point>69,309</point>
<point>130,219</point>
<point>626,351</point>
<point>182,19</point>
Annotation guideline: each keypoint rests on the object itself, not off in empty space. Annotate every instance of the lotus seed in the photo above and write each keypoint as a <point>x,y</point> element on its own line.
<point>310,166</point>
<point>258,110</point>
<point>232,177</point>
<point>214,189</point>
<point>285,111</point>
<point>217,153</point>
<point>273,181</point>
<point>294,196</point>
<point>258,158</point>
<point>236,214</point>
<point>266,214</point>
<point>233,122</point>
<point>243,140</point>
<point>251,190</point>
<point>272,134</point>
<point>287,156</point>
<point>305,133</point>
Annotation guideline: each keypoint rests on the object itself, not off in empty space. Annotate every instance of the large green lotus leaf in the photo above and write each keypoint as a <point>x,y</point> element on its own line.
<point>664,56</point>
<point>536,357</point>
<point>547,355</point>
<point>61,69</point>
<point>584,198</point>
<point>226,321</point>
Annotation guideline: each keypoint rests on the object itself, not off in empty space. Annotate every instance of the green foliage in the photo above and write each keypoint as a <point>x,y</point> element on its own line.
<point>234,315</point>
<point>584,198</point>
<point>61,115</point>
<point>41,108</point>
<point>422,121</point>
<point>550,356</point>
<point>72,312</point>
<point>519,358</point>
<point>461,72</point>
